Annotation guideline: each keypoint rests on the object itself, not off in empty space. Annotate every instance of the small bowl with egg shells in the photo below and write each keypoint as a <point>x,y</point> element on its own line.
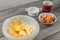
<point>47,18</point>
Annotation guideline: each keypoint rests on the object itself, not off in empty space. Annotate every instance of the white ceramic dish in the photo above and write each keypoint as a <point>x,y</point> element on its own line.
<point>48,14</point>
<point>27,19</point>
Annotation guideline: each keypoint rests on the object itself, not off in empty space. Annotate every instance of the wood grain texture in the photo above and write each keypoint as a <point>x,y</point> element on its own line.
<point>54,37</point>
<point>6,4</point>
<point>45,31</point>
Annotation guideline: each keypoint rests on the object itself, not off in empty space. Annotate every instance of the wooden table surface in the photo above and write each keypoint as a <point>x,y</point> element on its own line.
<point>46,31</point>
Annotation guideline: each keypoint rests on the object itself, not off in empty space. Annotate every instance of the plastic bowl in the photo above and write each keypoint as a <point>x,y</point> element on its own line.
<point>27,19</point>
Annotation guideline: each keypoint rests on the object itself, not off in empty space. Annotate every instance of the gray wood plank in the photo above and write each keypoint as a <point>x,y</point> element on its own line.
<point>54,37</point>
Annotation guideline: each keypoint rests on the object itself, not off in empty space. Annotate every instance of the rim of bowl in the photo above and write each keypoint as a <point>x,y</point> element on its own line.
<point>39,17</point>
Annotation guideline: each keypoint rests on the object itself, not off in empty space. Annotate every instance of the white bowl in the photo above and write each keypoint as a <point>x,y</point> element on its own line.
<point>33,11</point>
<point>27,19</point>
<point>48,14</point>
